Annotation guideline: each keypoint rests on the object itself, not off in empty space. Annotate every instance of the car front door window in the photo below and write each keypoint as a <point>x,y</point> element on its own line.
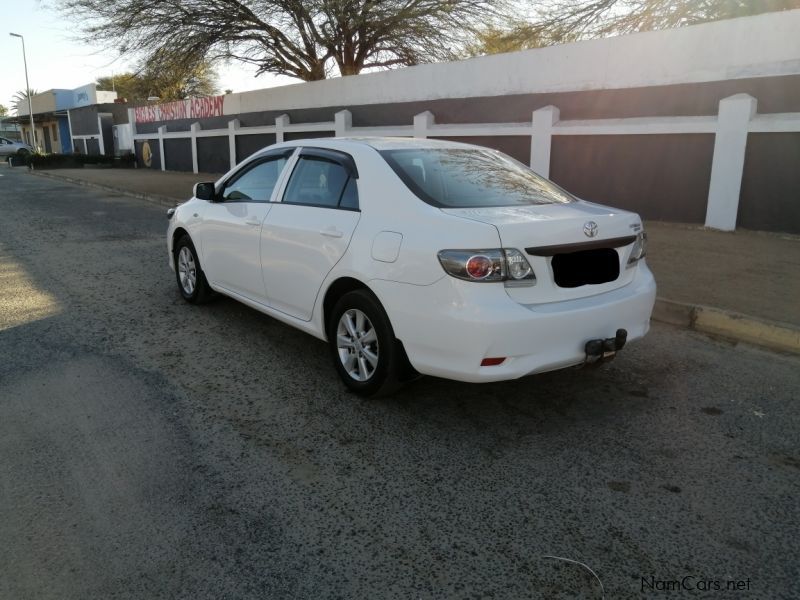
<point>257,183</point>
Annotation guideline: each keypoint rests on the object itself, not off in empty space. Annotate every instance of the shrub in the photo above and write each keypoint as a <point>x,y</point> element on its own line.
<point>76,161</point>
<point>52,161</point>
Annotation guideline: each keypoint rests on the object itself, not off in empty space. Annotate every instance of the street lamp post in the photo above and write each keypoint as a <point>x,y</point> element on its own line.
<point>27,90</point>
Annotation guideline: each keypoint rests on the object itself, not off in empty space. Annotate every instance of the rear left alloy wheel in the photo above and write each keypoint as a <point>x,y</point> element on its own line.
<point>365,352</point>
<point>191,279</point>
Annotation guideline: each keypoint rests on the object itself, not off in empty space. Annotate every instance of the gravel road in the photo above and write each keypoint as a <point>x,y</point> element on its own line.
<point>152,449</point>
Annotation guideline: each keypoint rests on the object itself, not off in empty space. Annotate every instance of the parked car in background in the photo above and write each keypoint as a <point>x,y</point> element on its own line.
<point>11,147</point>
<point>417,256</point>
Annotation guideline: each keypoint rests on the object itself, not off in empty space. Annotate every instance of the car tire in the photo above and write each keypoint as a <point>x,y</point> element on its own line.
<point>23,152</point>
<point>372,365</point>
<point>192,282</point>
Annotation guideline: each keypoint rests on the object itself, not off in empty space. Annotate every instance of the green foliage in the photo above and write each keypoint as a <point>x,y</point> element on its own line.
<point>162,78</point>
<point>560,21</point>
<point>3,111</point>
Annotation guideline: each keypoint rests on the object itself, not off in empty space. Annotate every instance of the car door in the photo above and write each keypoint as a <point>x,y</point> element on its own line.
<point>230,227</point>
<point>307,233</point>
<point>6,147</point>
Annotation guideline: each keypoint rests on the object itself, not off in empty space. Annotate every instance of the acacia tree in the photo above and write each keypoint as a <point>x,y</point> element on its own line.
<point>560,21</point>
<point>298,38</point>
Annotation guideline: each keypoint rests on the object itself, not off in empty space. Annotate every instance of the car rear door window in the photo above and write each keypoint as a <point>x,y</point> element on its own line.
<point>256,183</point>
<point>317,181</point>
<point>471,178</point>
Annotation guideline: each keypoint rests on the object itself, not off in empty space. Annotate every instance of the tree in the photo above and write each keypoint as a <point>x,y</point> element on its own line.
<point>561,21</point>
<point>162,79</point>
<point>598,18</point>
<point>127,85</point>
<point>298,38</point>
<point>514,37</point>
<point>175,81</point>
<point>3,111</point>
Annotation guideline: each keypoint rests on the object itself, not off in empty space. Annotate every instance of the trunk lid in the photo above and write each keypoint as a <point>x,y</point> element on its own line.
<point>556,231</point>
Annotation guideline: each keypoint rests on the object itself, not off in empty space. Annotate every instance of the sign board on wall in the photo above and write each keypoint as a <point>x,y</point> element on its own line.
<point>192,108</point>
<point>84,96</point>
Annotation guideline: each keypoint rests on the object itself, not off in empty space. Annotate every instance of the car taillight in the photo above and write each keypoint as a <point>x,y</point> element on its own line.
<point>480,266</point>
<point>498,264</point>
<point>520,272</point>
<point>639,250</point>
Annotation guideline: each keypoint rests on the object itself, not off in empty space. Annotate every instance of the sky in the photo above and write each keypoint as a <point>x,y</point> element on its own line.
<point>57,59</point>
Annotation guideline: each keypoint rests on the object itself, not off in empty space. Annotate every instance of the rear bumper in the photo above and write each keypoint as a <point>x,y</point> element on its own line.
<point>449,327</point>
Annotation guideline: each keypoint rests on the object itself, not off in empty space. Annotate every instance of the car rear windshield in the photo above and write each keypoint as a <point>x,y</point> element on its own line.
<point>470,178</point>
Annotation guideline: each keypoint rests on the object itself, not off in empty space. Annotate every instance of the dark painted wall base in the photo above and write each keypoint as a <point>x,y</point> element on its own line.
<point>662,177</point>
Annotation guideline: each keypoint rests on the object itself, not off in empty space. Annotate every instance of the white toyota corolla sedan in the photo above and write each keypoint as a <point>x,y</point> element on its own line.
<point>417,256</point>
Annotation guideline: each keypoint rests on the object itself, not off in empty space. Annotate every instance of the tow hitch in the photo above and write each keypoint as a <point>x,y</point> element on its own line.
<point>602,350</point>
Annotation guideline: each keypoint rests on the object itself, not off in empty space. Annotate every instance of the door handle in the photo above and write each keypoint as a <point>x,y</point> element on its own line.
<point>252,221</point>
<point>332,232</point>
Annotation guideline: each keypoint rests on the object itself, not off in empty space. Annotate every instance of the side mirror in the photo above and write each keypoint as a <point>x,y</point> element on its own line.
<point>205,191</point>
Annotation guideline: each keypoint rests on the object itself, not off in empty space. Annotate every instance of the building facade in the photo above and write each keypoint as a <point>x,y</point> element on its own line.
<point>51,116</point>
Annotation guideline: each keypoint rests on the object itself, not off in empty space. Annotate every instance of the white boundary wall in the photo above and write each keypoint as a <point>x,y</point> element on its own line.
<point>737,117</point>
<point>758,46</point>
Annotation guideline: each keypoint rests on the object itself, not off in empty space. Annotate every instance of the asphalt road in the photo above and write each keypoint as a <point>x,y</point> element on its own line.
<point>152,449</point>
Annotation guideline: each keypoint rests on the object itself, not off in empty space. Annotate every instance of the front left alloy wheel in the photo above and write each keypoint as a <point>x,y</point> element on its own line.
<point>191,279</point>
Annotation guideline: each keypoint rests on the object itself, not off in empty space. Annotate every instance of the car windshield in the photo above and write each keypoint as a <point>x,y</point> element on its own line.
<point>470,178</point>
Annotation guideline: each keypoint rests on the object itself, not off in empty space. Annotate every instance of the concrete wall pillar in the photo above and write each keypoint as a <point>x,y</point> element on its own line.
<point>233,127</point>
<point>423,122</point>
<point>343,122</point>
<point>730,143</point>
<point>195,127</point>
<point>280,122</point>
<point>542,138</point>
<point>161,131</point>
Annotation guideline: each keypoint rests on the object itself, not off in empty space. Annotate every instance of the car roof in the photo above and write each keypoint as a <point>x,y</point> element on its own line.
<point>378,143</point>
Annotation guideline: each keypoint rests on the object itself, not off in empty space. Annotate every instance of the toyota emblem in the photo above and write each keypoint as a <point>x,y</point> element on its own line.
<point>590,228</point>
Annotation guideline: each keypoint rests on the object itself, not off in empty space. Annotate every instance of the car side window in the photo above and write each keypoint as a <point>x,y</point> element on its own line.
<point>256,183</point>
<point>317,181</point>
<point>350,195</point>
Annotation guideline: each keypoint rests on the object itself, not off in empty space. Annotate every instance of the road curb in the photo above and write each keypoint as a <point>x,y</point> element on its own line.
<point>165,201</point>
<point>729,324</point>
